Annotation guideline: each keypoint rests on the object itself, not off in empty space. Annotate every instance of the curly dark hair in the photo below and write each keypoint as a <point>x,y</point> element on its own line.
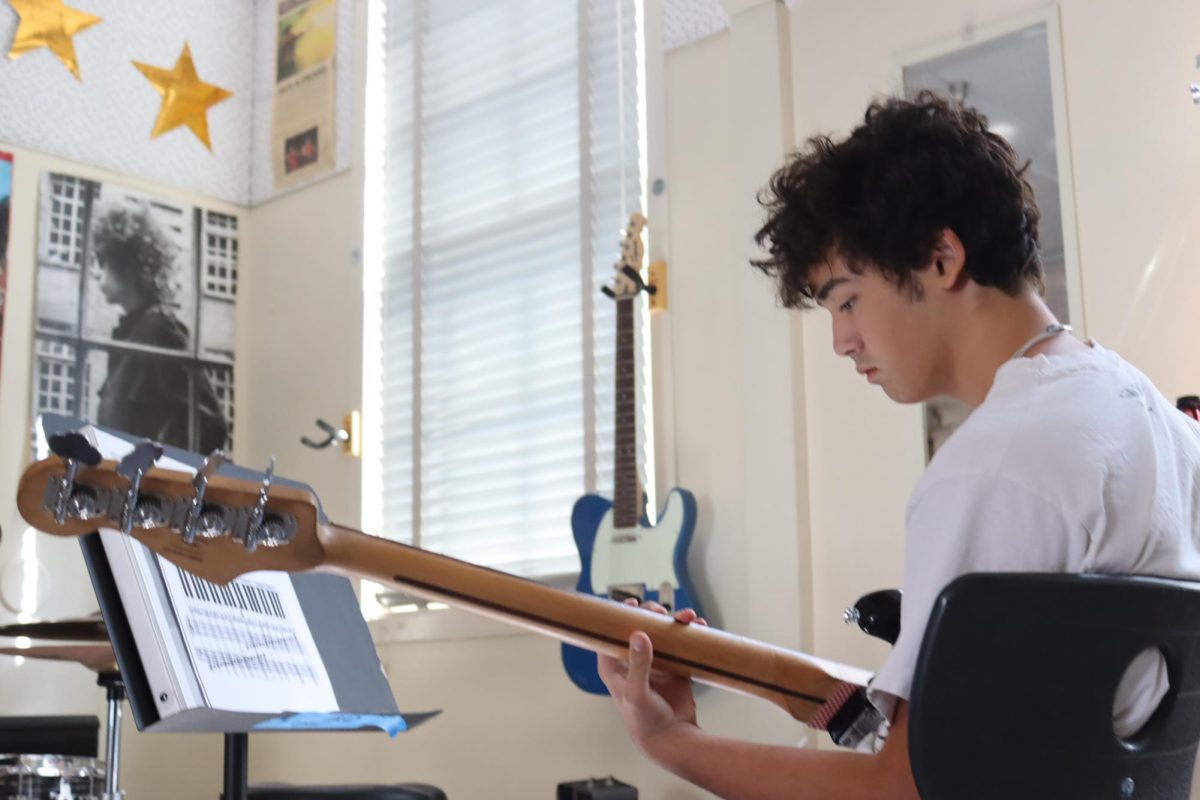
<point>134,245</point>
<point>881,197</point>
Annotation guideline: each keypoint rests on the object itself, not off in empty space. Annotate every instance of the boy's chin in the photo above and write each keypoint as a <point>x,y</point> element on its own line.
<point>903,396</point>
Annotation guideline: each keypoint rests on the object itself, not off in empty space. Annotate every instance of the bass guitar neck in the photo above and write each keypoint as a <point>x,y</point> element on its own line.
<point>811,690</point>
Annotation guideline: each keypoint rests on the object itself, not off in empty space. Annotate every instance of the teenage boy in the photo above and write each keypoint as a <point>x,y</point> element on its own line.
<point>918,234</point>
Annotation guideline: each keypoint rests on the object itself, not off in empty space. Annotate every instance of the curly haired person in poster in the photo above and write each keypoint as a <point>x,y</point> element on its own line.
<point>146,393</point>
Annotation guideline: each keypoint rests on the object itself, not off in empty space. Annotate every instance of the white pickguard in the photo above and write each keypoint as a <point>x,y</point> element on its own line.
<point>637,555</point>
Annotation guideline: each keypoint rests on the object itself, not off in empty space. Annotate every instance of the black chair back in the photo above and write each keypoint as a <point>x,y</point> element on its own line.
<point>1015,681</point>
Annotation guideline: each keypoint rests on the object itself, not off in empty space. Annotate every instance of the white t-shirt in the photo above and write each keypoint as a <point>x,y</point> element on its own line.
<point>1073,463</point>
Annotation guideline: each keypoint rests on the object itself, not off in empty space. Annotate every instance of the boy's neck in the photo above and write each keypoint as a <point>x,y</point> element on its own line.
<point>993,330</point>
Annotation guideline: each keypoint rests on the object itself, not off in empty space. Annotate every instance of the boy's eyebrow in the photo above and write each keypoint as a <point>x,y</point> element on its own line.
<point>827,287</point>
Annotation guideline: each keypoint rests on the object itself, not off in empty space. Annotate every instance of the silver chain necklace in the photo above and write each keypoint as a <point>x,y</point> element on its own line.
<point>1050,332</point>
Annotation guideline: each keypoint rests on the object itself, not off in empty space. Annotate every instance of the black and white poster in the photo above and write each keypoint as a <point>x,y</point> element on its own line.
<point>135,312</point>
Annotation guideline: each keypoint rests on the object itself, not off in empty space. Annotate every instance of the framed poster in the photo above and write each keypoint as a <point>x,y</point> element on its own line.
<point>305,103</point>
<point>134,327</point>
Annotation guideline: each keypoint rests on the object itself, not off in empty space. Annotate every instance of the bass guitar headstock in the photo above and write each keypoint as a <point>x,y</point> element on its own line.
<point>213,525</point>
<point>628,282</point>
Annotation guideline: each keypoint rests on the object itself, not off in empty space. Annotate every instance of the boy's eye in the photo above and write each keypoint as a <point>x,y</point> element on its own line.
<point>848,305</point>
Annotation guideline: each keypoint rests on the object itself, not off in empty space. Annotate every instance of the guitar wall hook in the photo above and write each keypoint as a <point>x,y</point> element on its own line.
<point>349,435</point>
<point>335,435</point>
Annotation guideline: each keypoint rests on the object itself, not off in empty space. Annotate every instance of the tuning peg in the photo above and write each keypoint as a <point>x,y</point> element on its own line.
<point>132,467</point>
<point>74,446</point>
<point>74,449</point>
<point>268,528</point>
<point>213,526</point>
<point>276,530</point>
<point>139,460</point>
<point>253,533</point>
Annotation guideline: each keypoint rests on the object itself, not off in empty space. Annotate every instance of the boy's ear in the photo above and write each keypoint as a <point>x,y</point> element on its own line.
<point>949,259</point>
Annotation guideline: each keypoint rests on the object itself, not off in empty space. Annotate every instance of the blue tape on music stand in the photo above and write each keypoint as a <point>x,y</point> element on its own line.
<point>391,724</point>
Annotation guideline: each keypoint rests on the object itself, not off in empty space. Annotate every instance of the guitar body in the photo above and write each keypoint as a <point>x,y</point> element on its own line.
<point>647,561</point>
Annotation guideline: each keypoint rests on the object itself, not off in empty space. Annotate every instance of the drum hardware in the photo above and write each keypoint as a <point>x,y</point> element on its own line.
<point>95,656</point>
<point>115,687</point>
<point>51,777</point>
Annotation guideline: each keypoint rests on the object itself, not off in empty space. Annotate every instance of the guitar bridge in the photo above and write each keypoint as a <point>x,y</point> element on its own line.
<point>623,591</point>
<point>666,596</point>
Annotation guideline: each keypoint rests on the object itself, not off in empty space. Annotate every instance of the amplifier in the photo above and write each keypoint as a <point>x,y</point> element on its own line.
<point>597,789</point>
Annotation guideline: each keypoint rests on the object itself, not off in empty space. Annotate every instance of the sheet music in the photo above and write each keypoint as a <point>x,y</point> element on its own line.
<point>249,643</point>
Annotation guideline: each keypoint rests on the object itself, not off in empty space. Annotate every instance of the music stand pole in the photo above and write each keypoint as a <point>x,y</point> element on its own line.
<point>112,756</point>
<point>237,757</point>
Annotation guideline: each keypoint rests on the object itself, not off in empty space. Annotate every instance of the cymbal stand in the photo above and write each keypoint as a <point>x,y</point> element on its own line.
<point>112,753</point>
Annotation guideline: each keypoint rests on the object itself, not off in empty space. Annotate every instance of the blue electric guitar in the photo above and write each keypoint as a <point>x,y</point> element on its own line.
<point>621,554</point>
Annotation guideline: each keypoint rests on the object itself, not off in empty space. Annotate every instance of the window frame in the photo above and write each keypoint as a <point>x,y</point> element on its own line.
<point>452,623</point>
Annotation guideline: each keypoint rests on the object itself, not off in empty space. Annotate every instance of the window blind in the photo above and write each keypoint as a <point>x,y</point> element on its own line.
<point>511,158</point>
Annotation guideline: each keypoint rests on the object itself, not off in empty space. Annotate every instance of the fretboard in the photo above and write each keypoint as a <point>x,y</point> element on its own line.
<point>627,491</point>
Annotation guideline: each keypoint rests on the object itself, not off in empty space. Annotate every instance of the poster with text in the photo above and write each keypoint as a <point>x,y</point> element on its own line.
<point>6,168</point>
<point>136,296</point>
<point>305,92</point>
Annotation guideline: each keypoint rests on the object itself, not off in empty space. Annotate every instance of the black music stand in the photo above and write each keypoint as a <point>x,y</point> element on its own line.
<point>330,606</point>
<point>355,684</point>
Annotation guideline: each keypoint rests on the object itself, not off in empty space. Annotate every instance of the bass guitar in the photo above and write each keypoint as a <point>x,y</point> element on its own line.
<point>219,527</point>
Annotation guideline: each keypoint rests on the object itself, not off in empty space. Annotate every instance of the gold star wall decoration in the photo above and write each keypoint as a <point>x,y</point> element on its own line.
<point>49,23</point>
<point>185,98</point>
